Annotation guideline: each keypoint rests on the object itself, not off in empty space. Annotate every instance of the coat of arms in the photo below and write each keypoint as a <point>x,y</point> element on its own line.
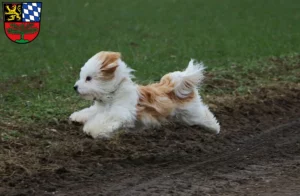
<point>22,21</point>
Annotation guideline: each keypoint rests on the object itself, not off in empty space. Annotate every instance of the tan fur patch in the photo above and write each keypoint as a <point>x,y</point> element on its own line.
<point>109,64</point>
<point>158,100</point>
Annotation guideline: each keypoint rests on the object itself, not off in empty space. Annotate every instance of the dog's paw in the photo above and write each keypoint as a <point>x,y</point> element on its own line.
<point>78,117</point>
<point>96,133</point>
<point>100,131</point>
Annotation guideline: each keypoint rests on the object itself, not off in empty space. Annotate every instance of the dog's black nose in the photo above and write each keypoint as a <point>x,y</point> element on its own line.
<point>75,88</point>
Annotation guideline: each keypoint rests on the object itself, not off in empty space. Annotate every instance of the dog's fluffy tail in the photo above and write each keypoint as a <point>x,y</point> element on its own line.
<point>189,79</point>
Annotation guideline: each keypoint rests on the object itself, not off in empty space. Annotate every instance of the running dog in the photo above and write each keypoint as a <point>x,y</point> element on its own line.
<point>120,103</point>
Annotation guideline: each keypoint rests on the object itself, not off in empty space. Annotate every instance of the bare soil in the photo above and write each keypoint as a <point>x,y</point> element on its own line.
<point>256,153</point>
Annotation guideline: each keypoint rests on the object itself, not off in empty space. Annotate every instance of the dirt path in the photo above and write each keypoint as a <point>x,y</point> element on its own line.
<point>257,153</point>
<point>227,172</point>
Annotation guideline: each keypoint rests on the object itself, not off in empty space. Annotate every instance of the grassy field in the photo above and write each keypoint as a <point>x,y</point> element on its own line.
<point>244,44</point>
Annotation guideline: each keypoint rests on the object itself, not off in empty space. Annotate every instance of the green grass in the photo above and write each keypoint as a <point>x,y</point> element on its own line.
<point>235,39</point>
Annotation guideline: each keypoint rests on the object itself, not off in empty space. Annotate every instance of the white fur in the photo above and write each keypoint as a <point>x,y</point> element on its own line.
<point>115,101</point>
<point>197,113</point>
<point>194,112</point>
<point>193,75</point>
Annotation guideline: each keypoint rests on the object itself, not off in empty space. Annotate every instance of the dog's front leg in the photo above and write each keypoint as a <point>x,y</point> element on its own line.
<point>100,126</point>
<point>104,124</point>
<point>84,115</point>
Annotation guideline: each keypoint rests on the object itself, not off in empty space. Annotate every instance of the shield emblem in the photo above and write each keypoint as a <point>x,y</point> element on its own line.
<point>22,21</point>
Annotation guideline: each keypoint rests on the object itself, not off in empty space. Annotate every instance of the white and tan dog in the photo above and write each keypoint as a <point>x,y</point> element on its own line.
<point>120,103</point>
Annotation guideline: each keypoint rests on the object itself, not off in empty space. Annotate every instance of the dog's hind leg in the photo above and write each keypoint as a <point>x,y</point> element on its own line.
<point>197,113</point>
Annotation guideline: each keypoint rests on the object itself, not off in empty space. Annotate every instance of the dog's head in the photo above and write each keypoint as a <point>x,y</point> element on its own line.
<point>101,75</point>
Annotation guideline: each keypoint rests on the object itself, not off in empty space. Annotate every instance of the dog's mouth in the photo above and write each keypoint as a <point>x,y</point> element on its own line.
<point>90,97</point>
<point>99,100</point>
<point>86,96</point>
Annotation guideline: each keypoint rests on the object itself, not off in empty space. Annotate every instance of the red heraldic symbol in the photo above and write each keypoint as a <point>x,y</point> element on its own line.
<point>22,21</point>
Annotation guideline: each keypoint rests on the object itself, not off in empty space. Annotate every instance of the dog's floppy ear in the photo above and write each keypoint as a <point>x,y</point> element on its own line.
<point>109,63</point>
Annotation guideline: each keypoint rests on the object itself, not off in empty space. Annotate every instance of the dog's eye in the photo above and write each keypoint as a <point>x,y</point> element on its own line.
<point>89,78</point>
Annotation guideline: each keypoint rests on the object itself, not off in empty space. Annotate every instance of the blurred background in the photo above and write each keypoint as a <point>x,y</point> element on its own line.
<point>235,38</point>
